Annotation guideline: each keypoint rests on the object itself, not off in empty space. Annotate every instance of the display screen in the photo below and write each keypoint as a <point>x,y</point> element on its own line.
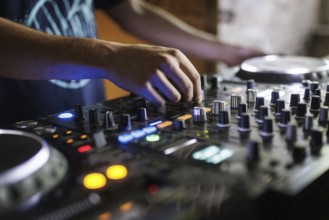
<point>212,154</point>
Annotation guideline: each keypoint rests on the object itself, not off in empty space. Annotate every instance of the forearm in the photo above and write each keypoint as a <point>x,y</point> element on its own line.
<point>33,55</point>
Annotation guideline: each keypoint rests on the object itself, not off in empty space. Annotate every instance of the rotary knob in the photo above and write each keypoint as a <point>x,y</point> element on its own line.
<point>125,122</point>
<point>93,117</point>
<point>217,106</point>
<point>109,121</point>
<point>294,100</point>
<point>274,96</point>
<point>78,112</point>
<point>301,110</point>
<point>244,123</point>
<point>259,102</point>
<point>315,103</point>
<point>142,115</point>
<point>223,119</point>
<point>199,114</point>
<point>235,101</point>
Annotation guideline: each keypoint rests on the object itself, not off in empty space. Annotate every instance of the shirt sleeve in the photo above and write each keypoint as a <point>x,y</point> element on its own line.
<point>106,4</point>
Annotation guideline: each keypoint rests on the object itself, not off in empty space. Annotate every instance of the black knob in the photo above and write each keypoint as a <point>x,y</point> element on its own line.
<point>253,151</point>
<point>279,105</point>
<point>327,90</point>
<point>138,103</point>
<point>259,102</point>
<point>217,106</point>
<point>291,132</point>
<point>306,82</point>
<point>315,103</point>
<point>215,81</point>
<point>250,84</point>
<point>267,128</point>
<point>308,122</point>
<point>307,94</point>
<point>323,116</point>
<point>313,86</point>
<point>263,112</point>
<point>301,110</point>
<point>294,100</point>
<point>78,112</point>
<point>142,115</point>
<point>318,92</point>
<point>242,109</point>
<point>199,114</point>
<point>125,122</point>
<point>109,121</point>
<point>299,152</point>
<point>235,101</point>
<point>93,117</point>
<point>326,99</point>
<point>285,118</point>
<point>223,119</point>
<point>244,123</point>
<point>274,96</point>
<point>316,141</point>
<point>179,124</point>
<point>204,81</point>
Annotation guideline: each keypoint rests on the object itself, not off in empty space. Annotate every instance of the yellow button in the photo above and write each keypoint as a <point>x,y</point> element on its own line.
<point>94,181</point>
<point>116,172</point>
<point>55,136</point>
<point>208,109</point>
<point>164,124</point>
<point>69,132</point>
<point>69,141</point>
<point>83,136</point>
<point>185,117</point>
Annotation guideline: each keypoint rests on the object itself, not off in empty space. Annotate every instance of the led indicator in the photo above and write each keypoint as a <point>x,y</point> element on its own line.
<point>84,148</point>
<point>69,141</point>
<point>150,129</point>
<point>153,138</point>
<point>83,136</point>
<point>125,138</point>
<point>65,115</point>
<point>116,172</point>
<point>155,123</point>
<point>126,207</point>
<point>153,188</point>
<point>138,133</point>
<point>68,132</point>
<point>55,136</point>
<point>94,181</point>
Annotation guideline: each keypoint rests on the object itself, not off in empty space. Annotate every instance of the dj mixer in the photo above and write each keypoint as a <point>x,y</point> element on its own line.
<point>251,150</point>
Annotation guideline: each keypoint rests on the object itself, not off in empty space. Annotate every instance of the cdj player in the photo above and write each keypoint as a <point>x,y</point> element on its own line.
<point>254,149</point>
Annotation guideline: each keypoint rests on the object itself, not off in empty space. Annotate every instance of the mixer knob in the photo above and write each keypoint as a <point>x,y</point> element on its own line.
<point>109,121</point>
<point>78,112</point>
<point>294,100</point>
<point>285,118</point>
<point>313,86</point>
<point>142,115</point>
<point>235,101</point>
<point>204,81</point>
<point>267,128</point>
<point>316,141</point>
<point>274,96</point>
<point>259,102</point>
<point>308,122</point>
<point>242,109</point>
<point>93,117</point>
<point>307,94</point>
<point>99,139</point>
<point>306,83</point>
<point>323,116</point>
<point>299,152</point>
<point>217,107</point>
<point>199,114</point>
<point>263,112</point>
<point>291,132</point>
<point>315,103</point>
<point>280,104</point>
<point>250,84</point>
<point>326,99</point>
<point>223,119</point>
<point>179,124</point>
<point>253,151</point>
<point>214,82</point>
<point>251,95</point>
<point>318,92</point>
<point>327,88</point>
<point>125,122</point>
<point>244,123</point>
<point>301,110</point>
<point>138,103</point>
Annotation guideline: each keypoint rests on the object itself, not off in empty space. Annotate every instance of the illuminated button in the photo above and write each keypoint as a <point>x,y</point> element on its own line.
<point>150,129</point>
<point>55,136</point>
<point>138,133</point>
<point>116,172</point>
<point>94,181</point>
<point>153,188</point>
<point>126,207</point>
<point>83,136</point>
<point>185,117</point>
<point>65,115</point>
<point>68,132</point>
<point>153,138</point>
<point>155,123</point>
<point>84,148</point>
<point>207,109</point>
<point>125,138</point>
<point>105,216</point>
<point>69,141</point>
<point>164,124</point>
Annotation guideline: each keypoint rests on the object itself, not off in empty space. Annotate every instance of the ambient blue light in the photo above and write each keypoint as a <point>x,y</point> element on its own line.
<point>65,115</point>
<point>137,133</point>
<point>155,123</point>
<point>150,129</point>
<point>125,138</point>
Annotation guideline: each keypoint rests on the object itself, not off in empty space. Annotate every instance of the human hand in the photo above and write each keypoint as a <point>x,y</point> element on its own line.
<point>158,74</point>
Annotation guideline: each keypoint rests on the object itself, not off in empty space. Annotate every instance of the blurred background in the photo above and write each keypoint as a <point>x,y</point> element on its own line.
<point>291,27</point>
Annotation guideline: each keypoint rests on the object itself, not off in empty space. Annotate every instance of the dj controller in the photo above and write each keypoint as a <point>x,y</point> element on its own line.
<point>253,149</point>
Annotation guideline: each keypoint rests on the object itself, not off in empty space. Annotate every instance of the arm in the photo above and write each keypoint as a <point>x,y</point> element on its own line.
<point>160,74</point>
<point>158,26</point>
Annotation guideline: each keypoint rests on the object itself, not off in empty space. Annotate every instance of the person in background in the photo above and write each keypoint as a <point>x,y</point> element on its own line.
<point>51,59</point>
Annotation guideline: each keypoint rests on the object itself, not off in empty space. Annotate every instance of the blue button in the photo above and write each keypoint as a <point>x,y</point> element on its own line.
<point>150,129</point>
<point>125,138</point>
